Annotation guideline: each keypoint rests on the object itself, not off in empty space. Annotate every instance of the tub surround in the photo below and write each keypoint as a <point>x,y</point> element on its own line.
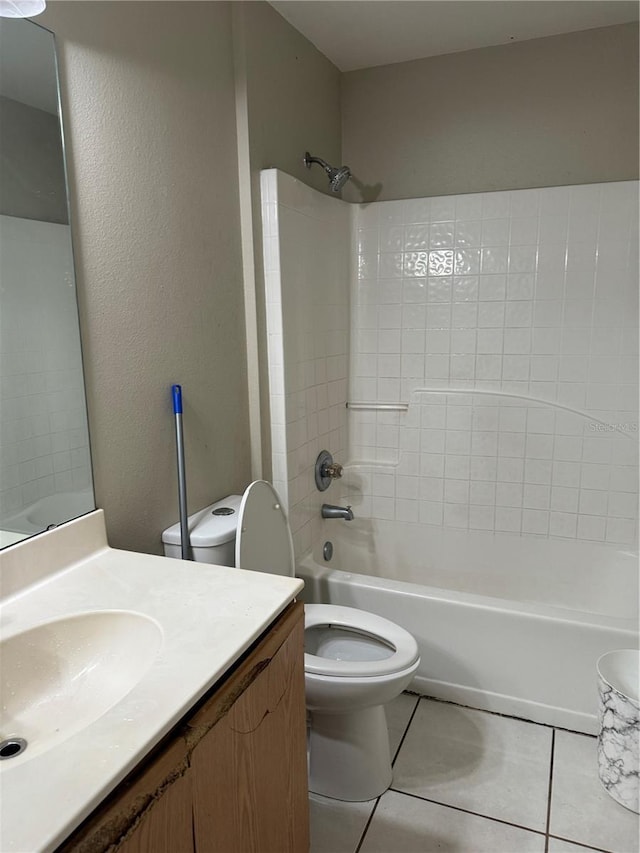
<point>306,262</point>
<point>493,375</point>
<point>507,321</point>
<point>208,616</point>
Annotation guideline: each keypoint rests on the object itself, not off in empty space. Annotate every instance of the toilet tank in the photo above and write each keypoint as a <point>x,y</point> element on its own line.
<point>212,533</point>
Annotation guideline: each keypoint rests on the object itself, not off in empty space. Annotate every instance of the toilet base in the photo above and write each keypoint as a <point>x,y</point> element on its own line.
<point>349,755</point>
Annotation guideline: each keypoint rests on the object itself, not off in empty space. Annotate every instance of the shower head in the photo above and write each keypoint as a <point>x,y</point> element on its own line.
<point>337,177</point>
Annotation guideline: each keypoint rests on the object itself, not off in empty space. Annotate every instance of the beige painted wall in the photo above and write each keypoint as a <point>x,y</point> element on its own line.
<point>152,128</point>
<point>150,123</point>
<point>559,110</point>
<point>293,96</point>
<point>288,102</point>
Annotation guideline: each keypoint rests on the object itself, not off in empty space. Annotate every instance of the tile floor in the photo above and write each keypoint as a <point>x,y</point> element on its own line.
<point>466,781</point>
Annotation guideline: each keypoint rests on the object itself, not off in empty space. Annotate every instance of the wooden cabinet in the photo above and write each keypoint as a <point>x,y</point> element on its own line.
<point>232,777</point>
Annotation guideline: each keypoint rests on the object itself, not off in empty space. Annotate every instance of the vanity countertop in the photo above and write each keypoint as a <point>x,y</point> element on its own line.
<point>207,616</point>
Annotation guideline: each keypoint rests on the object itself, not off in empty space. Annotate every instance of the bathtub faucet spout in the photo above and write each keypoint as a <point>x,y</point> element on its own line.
<point>330,511</point>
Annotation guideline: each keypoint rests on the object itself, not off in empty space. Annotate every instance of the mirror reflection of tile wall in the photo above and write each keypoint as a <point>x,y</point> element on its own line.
<point>45,468</point>
<point>45,446</point>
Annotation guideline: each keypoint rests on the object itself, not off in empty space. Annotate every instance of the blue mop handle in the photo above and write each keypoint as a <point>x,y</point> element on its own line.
<point>176,391</point>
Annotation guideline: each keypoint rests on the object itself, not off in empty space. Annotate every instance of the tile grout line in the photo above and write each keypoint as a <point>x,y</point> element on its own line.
<point>550,790</point>
<point>402,739</point>
<point>468,811</point>
<point>367,825</point>
<point>579,844</point>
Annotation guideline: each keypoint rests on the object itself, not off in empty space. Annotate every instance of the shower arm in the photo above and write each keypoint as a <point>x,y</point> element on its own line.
<point>308,160</point>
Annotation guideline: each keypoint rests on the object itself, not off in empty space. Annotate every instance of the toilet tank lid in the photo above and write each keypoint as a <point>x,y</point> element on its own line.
<point>208,527</point>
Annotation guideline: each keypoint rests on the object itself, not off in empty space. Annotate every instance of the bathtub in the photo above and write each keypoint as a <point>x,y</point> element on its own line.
<point>48,511</point>
<point>504,623</point>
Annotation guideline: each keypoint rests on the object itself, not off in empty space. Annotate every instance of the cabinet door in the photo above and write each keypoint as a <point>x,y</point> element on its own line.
<point>250,789</point>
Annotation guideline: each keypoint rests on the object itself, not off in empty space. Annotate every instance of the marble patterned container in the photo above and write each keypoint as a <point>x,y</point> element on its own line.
<point>619,734</point>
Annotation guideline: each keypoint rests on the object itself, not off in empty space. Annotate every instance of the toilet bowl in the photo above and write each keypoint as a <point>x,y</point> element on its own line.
<point>355,661</point>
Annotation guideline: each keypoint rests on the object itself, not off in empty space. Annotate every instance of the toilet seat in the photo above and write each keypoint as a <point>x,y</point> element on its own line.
<point>370,624</point>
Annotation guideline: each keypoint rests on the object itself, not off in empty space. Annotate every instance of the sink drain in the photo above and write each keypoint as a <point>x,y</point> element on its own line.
<point>11,747</point>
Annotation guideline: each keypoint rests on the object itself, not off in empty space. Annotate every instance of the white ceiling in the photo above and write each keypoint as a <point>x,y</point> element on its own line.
<point>362,33</point>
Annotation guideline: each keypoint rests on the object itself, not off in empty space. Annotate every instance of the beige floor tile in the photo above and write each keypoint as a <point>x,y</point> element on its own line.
<point>494,766</point>
<point>404,824</point>
<point>557,845</point>
<point>581,810</point>
<point>336,827</point>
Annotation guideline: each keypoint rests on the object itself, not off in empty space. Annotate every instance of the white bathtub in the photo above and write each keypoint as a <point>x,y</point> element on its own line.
<point>45,512</point>
<point>504,623</point>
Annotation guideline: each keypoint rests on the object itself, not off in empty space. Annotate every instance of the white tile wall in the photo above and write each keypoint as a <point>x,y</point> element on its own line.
<point>306,258</point>
<point>531,293</point>
<point>43,434</point>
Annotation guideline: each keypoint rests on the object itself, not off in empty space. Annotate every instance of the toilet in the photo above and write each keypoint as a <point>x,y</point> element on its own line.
<point>355,662</point>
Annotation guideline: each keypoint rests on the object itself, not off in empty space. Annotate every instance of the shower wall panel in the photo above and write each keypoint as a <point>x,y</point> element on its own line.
<point>306,260</point>
<point>506,326</point>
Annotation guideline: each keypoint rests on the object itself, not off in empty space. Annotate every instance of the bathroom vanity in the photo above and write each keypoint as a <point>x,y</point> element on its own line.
<point>162,702</point>
<point>232,777</point>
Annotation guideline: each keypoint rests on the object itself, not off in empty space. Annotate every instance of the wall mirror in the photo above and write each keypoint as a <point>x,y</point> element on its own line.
<point>45,465</point>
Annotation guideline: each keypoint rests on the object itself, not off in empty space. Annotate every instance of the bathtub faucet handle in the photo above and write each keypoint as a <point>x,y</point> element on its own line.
<point>332,470</point>
<point>326,470</point>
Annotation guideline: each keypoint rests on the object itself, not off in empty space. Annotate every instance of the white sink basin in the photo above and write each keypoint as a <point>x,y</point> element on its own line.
<point>59,677</point>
